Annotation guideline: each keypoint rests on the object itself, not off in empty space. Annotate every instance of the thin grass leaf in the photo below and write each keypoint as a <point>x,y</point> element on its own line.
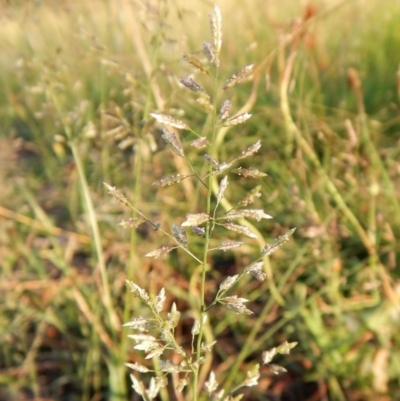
<point>238,119</point>
<point>243,75</point>
<point>251,196</point>
<point>249,172</point>
<point>239,229</point>
<point>170,180</point>
<point>160,252</point>
<point>171,140</point>
<point>191,59</point>
<point>250,150</point>
<point>180,235</point>
<point>170,121</point>
<point>195,219</point>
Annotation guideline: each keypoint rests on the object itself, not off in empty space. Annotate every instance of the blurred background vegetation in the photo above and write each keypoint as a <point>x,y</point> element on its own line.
<point>78,80</point>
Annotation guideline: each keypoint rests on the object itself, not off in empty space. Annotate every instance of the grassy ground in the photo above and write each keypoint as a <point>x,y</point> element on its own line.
<point>78,80</point>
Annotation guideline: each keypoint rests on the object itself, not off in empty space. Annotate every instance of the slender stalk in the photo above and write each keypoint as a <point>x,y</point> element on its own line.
<point>206,245</point>
<point>113,318</point>
<point>118,387</point>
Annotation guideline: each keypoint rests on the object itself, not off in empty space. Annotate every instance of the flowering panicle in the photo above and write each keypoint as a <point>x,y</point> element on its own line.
<point>155,334</point>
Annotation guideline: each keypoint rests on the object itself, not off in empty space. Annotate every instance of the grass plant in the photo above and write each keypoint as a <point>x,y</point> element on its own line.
<point>156,333</point>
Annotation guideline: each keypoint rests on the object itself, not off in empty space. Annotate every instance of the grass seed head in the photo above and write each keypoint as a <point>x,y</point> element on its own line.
<point>205,103</point>
<point>251,196</point>
<point>191,59</point>
<point>170,180</point>
<point>216,31</point>
<point>170,121</point>
<point>132,222</point>
<point>227,245</point>
<point>225,109</point>
<point>164,250</point>
<point>243,75</point>
<point>171,140</point>
<point>117,195</point>
<point>210,52</point>
<point>238,119</point>
<point>195,219</point>
<point>249,172</point>
<point>250,150</point>
<point>244,230</point>
<point>199,143</point>
<point>191,84</point>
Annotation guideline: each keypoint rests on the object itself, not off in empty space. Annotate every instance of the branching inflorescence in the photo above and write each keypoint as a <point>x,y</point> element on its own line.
<point>155,335</point>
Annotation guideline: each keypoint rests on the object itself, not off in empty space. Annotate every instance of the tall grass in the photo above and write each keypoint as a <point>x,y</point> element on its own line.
<point>78,81</point>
